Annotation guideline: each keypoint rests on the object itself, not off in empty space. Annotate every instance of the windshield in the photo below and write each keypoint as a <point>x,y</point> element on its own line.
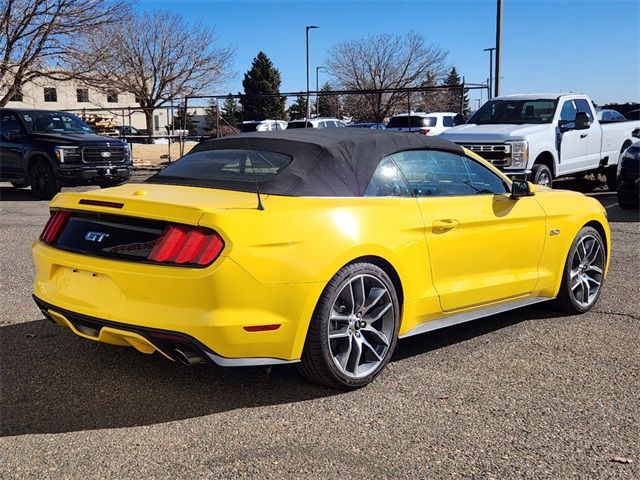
<point>223,168</point>
<point>516,112</point>
<point>54,122</point>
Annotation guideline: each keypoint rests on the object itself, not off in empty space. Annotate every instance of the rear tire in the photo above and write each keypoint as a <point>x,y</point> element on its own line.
<point>43,181</point>
<point>583,273</point>
<point>541,175</point>
<point>353,330</point>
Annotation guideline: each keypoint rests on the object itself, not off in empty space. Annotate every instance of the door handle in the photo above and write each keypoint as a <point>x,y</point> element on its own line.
<point>445,224</point>
<point>584,135</point>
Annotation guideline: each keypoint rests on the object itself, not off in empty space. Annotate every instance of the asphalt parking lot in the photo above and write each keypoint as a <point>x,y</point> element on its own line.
<point>527,394</point>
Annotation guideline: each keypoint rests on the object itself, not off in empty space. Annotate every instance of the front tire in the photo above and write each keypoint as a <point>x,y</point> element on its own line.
<point>583,272</point>
<point>541,175</point>
<point>43,181</point>
<point>354,328</point>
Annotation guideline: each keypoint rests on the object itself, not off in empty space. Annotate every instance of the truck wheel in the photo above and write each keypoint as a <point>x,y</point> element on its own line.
<point>611,175</point>
<point>43,181</point>
<point>541,175</point>
<point>583,272</point>
<point>354,328</point>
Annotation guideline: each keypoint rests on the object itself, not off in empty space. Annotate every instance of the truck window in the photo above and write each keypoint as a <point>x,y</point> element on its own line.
<point>583,106</point>
<point>568,113</point>
<point>9,124</point>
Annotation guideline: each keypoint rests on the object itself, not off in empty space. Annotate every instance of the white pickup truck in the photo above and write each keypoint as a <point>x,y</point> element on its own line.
<point>545,136</point>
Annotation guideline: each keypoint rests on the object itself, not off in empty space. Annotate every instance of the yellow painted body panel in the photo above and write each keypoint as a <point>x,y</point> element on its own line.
<point>277,262</point>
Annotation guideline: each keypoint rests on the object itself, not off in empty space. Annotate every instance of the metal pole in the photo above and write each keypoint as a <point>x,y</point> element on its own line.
<point>318,88</point>
<point>462,97</point>
<point>217,118</point>
<point>498,45</point>
<point>306,120</point>
<point>490,82</point>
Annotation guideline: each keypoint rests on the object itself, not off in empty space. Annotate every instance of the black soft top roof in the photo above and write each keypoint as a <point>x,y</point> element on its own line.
<point>329,162</point>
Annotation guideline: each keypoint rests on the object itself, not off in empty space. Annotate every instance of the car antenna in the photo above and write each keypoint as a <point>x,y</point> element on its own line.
<point>255,178</point>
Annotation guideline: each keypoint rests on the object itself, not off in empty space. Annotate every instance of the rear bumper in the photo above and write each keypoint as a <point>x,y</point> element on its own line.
<point>143,339</point>
<point>208,307</point>
<point>73,175</point>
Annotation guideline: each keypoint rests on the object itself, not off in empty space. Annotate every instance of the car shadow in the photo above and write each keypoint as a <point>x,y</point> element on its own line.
<point>10,194</point>
<point>54,382</point>
<point>615,214</point>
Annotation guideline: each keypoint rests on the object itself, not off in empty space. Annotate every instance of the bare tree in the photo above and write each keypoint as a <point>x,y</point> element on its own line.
<point>156,56</point>
<point>36,36</point>
<point>383,62</point>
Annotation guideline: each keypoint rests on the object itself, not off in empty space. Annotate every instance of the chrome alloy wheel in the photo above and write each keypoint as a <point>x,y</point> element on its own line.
<point>587,270</point>
<point>361,326</point>
<point>544,179</point>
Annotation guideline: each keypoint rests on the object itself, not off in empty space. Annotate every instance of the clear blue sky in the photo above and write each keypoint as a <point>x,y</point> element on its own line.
<point>588,46</point>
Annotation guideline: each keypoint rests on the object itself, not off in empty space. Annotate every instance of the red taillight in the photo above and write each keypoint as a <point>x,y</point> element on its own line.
<point>424,131</point>
<point>54,225</point>
<point>185,245</point>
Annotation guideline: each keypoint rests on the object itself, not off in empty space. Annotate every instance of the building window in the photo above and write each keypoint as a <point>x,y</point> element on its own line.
<point>17,97</point>
<point>50,94</point>
<point>112,97</point>
<point>83,95</point>
<point>156,122</point>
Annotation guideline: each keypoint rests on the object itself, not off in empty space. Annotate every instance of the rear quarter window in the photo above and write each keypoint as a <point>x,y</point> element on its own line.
<point>223,166</point>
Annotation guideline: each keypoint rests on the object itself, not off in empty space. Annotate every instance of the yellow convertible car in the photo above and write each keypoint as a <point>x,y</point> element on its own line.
<point>316,247</point>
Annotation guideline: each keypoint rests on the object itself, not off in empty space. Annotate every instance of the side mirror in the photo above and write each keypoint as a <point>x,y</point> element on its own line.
<point>636,133</point>
<point>562,125</point>
<point>582,121</point>
<point>521,188</point>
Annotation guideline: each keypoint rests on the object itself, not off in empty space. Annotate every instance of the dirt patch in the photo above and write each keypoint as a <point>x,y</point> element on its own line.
<point>156,154</point>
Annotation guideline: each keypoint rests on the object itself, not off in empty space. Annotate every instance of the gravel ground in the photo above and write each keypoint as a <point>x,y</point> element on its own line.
<point>528,394</point>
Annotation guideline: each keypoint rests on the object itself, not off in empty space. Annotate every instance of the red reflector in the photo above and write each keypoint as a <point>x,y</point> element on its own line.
<point>54,226</point>
<point>262,328</point>
<point>100,203</point>
<point>186,245</point>
<point>424,131</point>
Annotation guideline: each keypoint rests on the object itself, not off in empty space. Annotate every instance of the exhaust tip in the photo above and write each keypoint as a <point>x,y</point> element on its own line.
<point>187,357</point>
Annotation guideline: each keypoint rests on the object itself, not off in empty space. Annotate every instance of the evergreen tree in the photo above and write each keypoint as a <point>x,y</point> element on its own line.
<point>262,78</point>
<point>328,105</point>
<point>182,123</point>
<point>454,96</point>
<point>229,112</point>
<point>210,117</point>
<point>298,110</point>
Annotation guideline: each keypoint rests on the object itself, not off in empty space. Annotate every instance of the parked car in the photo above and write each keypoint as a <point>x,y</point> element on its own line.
<point>608,115</point>
<point>262,125</point>
<point>629,177</point>
<point>317,123</point>
<point>48,150</point>
<point>424,123</point>
<point>373,126</point>
<point>545,136</point>
<point>326,265</point>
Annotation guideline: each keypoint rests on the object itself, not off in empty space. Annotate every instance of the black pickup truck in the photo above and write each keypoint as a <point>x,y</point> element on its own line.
<point>48,150</point>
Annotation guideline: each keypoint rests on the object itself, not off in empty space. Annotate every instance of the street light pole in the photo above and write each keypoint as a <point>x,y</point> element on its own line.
<point>318,86</point>
<point>306,120</point>
<point>498,45</point>
<point>490,50</point>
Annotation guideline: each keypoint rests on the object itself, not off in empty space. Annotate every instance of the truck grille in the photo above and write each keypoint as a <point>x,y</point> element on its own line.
<point>498,154</point>
<point>103,154</point>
